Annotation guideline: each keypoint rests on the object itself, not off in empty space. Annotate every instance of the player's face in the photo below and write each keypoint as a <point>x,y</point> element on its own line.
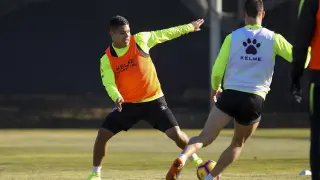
<point>121,35</point>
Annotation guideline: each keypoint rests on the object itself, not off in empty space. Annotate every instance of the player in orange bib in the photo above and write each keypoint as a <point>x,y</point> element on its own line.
<point>131,81</point>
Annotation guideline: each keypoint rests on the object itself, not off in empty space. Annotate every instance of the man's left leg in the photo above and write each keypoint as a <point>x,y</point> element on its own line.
<point>162,119</point>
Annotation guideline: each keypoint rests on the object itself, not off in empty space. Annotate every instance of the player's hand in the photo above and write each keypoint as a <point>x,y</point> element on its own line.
<point>196,24</point>
<point>296,90</point>
<point>119,102</point>
<point>215,94</point>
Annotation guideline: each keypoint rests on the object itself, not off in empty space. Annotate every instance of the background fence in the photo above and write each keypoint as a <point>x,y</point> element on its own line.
<point>50,53</point>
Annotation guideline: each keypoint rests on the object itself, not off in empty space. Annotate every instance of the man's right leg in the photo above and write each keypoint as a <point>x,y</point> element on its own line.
<point>108,129</point>
<point>115,122</point>
<point>100,148</point>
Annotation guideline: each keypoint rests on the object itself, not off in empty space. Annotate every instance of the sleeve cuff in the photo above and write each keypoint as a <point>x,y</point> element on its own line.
<point>190,27</point>
<point>215,86</point>
<point>115,97</point>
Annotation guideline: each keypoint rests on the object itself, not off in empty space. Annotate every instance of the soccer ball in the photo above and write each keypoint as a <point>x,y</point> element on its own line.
<point>205,168</point>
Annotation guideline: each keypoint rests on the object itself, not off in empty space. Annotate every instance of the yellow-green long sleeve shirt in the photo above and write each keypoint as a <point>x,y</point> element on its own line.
<point>146,40</point>
<point>281,47</point>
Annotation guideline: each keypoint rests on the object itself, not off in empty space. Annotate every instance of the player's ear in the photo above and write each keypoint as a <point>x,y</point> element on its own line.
<point>263,13</point>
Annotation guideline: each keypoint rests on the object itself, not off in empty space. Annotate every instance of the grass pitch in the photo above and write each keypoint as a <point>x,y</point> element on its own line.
<point>145,154</point>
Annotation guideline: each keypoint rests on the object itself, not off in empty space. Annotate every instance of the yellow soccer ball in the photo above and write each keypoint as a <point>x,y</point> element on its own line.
<point>205,168</point>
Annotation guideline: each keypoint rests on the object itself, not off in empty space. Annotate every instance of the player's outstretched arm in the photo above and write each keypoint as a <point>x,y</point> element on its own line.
<point>108,79</point>
<point>284,49</point>
<point>147,40</point>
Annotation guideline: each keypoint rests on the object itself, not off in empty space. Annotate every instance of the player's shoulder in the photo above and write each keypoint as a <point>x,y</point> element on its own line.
<point>142,35</point>
<point>279,37</point>
<point>142,38</point>
<point>267,33</point>
<point>228,37</point>
<point>237,30</point>
<point>267,30</point>
<point>105,52</point>
<point>104,57</point>
<point>235,34</point>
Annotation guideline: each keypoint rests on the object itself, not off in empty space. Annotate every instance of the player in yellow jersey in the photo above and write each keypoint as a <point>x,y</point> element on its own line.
<point>246,64</point>
<point>131,81</point>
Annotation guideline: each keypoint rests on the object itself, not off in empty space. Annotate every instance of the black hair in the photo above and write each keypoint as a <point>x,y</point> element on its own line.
<point>253,7</point>
<point>117,21</point>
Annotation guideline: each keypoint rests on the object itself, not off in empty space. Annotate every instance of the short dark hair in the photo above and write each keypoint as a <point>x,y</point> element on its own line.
<point>253,7</point>
<point>117,21</point>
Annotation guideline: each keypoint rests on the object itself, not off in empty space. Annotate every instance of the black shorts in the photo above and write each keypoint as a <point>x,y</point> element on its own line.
<point>245,108</point>
<point>155,112</point>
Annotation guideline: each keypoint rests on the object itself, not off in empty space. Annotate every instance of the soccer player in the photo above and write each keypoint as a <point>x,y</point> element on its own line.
<point>246,64</point>
<point>307,34</point>
<point>131,81</point>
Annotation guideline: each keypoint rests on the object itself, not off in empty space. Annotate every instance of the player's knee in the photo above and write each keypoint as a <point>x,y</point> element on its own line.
<point>238,142</point>
<point>177,135</point>
<point>206,139</point>
<point>104,135</point>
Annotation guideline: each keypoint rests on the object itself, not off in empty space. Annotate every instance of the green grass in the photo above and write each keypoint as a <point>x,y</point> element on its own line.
<point>145,154</point>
